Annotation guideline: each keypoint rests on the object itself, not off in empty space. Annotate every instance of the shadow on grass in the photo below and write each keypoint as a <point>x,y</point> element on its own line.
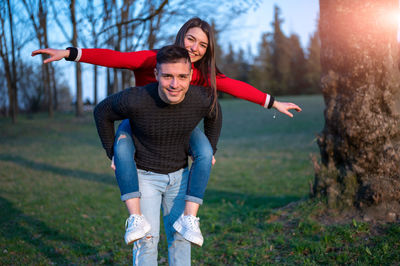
<point>85,175</point>
<point>19,227</point>
<point>217,197</point>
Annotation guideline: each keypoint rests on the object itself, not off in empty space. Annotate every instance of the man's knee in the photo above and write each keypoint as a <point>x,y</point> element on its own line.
<point>144,251</point>
<point>147,242</point>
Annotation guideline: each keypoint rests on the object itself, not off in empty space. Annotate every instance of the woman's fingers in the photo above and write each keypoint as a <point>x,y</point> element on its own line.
<point>55,54</point>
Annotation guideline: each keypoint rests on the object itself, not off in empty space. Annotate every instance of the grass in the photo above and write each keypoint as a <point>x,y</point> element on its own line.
<point>60,203</point>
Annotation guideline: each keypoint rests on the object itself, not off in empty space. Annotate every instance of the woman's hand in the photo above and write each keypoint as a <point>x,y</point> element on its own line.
<point>112,163</point>
<point>55,54</point>
<point>285,107</point>
<point>212,162</point>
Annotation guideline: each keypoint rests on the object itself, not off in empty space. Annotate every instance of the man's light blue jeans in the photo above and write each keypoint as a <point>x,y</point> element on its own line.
<point>166,192</point>
<point>126,172</point>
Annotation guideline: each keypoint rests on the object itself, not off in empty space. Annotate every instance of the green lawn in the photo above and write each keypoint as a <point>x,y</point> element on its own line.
<point>59,201</point>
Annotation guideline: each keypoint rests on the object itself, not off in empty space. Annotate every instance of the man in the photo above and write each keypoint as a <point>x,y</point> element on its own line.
<point>162,116</point>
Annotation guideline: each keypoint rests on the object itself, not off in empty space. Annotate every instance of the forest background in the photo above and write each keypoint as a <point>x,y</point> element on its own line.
<point>280,65</point>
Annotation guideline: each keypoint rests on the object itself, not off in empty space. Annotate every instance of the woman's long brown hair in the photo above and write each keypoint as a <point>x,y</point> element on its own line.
<point>206,64</point>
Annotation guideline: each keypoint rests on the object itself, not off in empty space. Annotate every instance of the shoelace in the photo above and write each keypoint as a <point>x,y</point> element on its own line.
<point>193,222</point>
<point>136,220</point>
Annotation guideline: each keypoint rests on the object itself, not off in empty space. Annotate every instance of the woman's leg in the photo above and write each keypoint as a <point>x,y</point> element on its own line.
<point>125,166</point>
<point>187,224</point>
<point>127,178</point>
<point>202,153</point>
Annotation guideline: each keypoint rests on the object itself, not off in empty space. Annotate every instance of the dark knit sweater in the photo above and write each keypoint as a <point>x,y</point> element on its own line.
<point>160,131</point>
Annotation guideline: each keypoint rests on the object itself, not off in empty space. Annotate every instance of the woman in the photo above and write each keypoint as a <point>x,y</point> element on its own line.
<point>197,37</point>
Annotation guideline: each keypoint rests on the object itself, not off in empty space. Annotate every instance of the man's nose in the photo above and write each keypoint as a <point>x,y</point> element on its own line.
<point>174,83</point>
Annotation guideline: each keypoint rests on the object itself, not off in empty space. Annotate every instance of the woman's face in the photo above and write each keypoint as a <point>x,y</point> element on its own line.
<point>196,42</point>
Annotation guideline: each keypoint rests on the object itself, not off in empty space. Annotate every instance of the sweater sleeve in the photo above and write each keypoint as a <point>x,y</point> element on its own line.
<point>110,58</point>
<point>213,125</point>
<point>241,90</point>
<point>112,108</point>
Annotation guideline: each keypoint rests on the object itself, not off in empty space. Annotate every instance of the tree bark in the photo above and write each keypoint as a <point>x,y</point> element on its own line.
<point>37,12</point>
<point>360,142</point>
<point>95,85</point>
<point>10,67</point>
<point>78,71</point>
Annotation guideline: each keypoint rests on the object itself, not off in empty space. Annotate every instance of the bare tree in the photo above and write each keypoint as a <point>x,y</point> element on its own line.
<point>126,26</point>
<point>73,38</point>
<point>78,70</point>
<point>360,143</point>
<point>93,19</point>
<point>38,18</point>
<point>8,56</point>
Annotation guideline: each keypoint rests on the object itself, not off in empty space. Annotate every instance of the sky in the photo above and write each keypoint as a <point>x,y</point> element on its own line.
<point>299,16</point>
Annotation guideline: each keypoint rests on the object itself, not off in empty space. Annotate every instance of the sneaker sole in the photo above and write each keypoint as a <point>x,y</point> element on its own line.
<point>133,237</point>
<point>186,235</point>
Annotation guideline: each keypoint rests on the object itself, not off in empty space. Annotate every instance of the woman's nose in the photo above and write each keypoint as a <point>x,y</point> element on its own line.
<point>194,46</point>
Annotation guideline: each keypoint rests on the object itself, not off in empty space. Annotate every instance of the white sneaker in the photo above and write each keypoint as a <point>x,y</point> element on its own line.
<point>136,227</point>
<point>189,227</point>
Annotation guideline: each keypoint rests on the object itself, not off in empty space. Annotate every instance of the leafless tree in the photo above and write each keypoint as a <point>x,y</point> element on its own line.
<point>73,39</point>
<point>126,25</point>
<point>38,14</point>
<point>93,18</point>
<point>8,56</point>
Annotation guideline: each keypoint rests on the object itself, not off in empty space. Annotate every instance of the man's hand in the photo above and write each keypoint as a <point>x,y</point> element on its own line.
<point>55,54</point>
<point>285,107</point>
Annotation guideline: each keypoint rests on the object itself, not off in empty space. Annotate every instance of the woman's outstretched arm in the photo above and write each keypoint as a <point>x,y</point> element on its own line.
<point>103,57</point>
<point>249,93</point>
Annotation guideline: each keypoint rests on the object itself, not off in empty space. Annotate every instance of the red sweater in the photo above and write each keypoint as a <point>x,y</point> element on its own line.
<point>142,63</point>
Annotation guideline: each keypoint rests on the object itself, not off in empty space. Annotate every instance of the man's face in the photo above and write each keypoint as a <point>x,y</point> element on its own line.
<point>173,81</point>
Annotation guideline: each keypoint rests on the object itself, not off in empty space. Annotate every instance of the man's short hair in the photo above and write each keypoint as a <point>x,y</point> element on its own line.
<point>172,54</point>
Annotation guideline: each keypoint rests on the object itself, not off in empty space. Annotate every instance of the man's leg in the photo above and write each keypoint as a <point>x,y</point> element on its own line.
<point>173,204</point>
<point>151,186</point>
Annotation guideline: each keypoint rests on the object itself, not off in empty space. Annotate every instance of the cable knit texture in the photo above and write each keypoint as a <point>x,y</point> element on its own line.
<point>161,131</point>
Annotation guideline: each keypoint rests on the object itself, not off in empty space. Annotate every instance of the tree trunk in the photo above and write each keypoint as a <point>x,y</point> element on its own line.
<point>95,85</point>
<point>42,35</point>
<point>360,142</point>
<point>38,16</point>
<point>109,85</point>
<point>47,87</point>
<point>78,71</point>
<point>53,85</point>
<point>13,77</point>
<point>115,81</point>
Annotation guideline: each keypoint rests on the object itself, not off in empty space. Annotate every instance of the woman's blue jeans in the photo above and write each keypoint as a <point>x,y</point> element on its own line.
<point>126,171</point>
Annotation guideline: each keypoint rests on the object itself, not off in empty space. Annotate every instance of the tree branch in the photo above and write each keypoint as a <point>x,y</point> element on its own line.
<point>60,25</point>
<point>156,12</point>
